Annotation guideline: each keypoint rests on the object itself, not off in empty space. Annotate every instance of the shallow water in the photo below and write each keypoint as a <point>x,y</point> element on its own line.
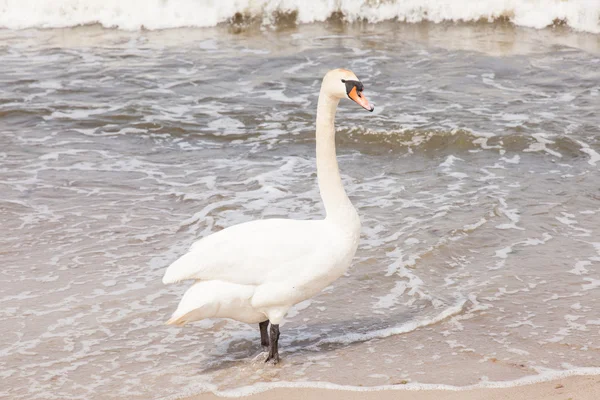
<point>476,179</point>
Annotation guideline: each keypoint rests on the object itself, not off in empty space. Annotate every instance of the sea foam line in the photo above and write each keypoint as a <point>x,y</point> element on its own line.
<point>396,330</point>
<point>545,376</point>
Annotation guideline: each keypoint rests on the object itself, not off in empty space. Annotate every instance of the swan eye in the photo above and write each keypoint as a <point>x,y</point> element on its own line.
<point>351,85</point>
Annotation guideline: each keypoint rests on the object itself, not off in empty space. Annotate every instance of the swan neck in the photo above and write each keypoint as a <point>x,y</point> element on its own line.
<point>337,204</point>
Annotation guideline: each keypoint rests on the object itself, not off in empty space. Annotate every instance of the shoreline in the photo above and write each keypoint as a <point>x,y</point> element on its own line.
<point>579,387</point>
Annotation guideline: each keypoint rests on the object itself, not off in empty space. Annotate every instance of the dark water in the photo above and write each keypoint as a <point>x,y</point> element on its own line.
<point>476,179</point>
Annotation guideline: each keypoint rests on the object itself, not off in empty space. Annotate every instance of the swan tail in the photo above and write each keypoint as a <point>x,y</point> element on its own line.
<point>210,299</point>
<point>190,310</point>
<point>181,317</point>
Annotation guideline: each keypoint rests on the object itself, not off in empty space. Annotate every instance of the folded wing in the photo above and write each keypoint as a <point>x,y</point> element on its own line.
<point>250,253</point>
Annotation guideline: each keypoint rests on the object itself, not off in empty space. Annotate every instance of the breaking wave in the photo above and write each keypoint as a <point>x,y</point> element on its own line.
<point>581,15</point>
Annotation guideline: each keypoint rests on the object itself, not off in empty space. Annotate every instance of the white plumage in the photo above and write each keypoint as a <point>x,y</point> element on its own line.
<point>256,271</point>
<point>282,262</point>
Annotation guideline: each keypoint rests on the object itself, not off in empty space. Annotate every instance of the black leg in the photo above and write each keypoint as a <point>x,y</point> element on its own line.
<point>274,346</point>
<point>264,333</point>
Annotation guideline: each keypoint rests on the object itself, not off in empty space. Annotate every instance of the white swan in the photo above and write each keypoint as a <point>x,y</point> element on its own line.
<point>255,271</point>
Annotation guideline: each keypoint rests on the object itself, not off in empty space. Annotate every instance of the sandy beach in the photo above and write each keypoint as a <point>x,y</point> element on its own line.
<point>572,388</point>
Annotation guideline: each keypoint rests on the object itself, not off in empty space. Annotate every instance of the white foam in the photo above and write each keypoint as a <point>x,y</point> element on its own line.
<point>593,284</point>
<point>450,161</point>
<point>391,298</point>
<point>472,227</point>
<point>78,114</point>
<point>298,307</point>
<point>582,15</point>
<point>512,214</point>
<point>399,329</point>
<point>565,219</point>
<point>503,253</point>
<point>514,160</point>
<point>227,126</point>
<point>594,156</point>
<point>544,375</point>
<point>540,145</point>
<point>300,67</point>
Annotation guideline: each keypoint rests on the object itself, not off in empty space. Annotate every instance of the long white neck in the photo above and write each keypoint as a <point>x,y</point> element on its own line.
<point>337,204</point>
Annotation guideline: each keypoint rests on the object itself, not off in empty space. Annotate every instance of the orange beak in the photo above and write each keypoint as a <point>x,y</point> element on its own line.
<point>360,99</point>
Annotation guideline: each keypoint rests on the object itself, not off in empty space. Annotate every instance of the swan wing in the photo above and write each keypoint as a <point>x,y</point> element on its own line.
<point>250,253</point>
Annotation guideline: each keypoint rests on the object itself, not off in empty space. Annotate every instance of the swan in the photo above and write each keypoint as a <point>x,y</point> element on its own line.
<point>255,271</point>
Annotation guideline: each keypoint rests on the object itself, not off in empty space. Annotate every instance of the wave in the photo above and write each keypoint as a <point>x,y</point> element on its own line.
<point>581,15</point>
<point>461,140</point>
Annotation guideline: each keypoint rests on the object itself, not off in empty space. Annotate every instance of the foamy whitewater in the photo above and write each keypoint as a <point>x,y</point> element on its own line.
<point>476,179</point>
<point>581,15</point>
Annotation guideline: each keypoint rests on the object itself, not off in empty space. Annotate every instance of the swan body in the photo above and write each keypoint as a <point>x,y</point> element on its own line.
<point>255,271</point>
<point>282,261</point>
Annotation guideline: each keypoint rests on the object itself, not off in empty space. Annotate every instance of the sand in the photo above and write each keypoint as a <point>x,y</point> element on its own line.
<point>572,388</point>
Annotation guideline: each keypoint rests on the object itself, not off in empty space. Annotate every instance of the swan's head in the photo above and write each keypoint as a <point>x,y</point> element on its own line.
<point>342,83</point>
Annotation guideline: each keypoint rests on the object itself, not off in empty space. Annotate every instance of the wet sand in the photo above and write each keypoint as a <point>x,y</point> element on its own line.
<point>574,388</point>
